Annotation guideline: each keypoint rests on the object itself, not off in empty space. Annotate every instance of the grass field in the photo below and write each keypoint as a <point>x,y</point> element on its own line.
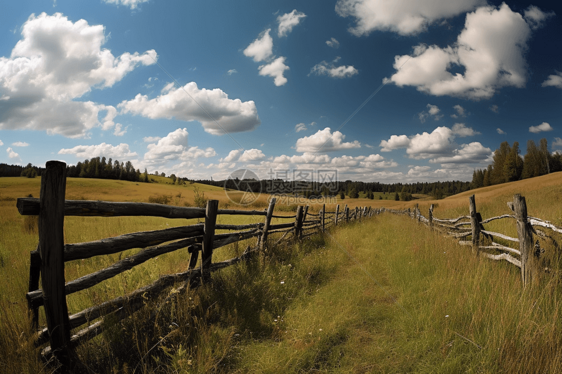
<point>382,295</point>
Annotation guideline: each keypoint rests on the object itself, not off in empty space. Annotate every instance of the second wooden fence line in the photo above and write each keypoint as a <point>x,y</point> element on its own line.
<point>482,240</point>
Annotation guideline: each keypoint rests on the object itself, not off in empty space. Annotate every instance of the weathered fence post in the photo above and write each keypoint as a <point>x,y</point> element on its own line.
<point>298,223</point>
<point>356,213</point>
<point>51,250</point>
<point>266,223</point>
<point>475,223</point>
<point>416,212</point>
<point>346,210</point>
<point>209,233</point>
<point>34,274</point>
<point>337,214</point>
<point>323,217</point>
<point>430,216</point>
<point>529,262</point>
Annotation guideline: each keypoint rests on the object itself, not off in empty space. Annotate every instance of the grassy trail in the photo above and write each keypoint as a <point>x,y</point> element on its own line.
<point>412,301</point>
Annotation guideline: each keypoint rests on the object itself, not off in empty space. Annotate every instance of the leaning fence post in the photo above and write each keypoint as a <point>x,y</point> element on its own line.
<point>298,223</point>
<point>475,224</point>
<point>346,210</point>
<point>51,250</point>
<point>208,238</point>
<point>356,213</point>
<point>34,274</point>
<point>430,215</point>
<point>267,222</point>
<point>337,213</point>
<point>529,263</point>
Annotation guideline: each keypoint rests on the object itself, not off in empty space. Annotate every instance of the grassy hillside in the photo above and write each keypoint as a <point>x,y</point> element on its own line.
<point>382,295</point>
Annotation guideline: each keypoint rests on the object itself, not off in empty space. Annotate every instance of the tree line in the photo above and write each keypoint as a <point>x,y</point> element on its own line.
<point>509,166</point>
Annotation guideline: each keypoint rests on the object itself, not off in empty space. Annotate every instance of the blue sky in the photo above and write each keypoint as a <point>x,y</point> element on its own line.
<point>389,91</point>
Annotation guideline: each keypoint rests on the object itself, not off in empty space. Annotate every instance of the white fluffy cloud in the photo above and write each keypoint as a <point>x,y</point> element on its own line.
<point>460,130</point>
<point>232,156</point>
<point>1,143</point>
<point>287,21</point>
<point>554,80</point>
<point>216,112</point>
<point>491,49</point>
<point>55,63</point>
<point>325,141</point>
<point>133,4</point>
<point>433,111</point>
<point>536,17</point>
<point>461,112</point>
<point>275,70</point>
<point>120,151</point>
<point>500,131</point>
<point>172,147</point>
<point>261,48</point>
<point>331,70</point>
<point>405,17</point>
<point>333,43</point>
<point>232,71</point>
<point>439,145</point>
<point>540,128</point>
<point>300,127</point>
<point>13,155</point>
<point>557,143</point>
<point>251,155</point>
<point>467,154</point>
<point>20,144</point>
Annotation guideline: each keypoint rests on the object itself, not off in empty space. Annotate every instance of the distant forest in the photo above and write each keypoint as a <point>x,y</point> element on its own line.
<point>509,166</point>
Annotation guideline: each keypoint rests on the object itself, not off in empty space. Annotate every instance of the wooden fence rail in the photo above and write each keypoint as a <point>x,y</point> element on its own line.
<point>529,249</point>
<point>48,260</point>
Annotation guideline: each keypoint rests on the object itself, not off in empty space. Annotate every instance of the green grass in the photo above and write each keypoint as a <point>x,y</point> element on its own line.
<point>386,295</point>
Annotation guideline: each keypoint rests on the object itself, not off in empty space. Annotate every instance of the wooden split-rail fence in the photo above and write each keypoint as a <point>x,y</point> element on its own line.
<point>48,260</point>
<point>528,252</point>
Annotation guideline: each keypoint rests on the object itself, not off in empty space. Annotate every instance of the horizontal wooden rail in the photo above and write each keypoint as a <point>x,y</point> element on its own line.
<point>497,234</point>
<point>454,220</point>
<point>503,256</point>
<point>128,241</point>
<point>539,222</point>
<point>498,217</point>
<point>30,206</point>
<point>275,216</point>
<point>237,227</point>
<point>500,247</point>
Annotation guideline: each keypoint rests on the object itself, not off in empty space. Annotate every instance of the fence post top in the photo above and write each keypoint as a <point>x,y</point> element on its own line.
<point>54,163</point>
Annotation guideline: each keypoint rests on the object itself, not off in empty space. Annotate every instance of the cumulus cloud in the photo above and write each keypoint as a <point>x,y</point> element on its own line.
<point>467,154</point>
<point>232,71</point>
<point>557,143</point>
<point>133,4</point>
<point>1,143</point>
<point>55,63</point>
<point>438,145</point>
<point>500,131</point>
<point>119,130</point>
<point>554,80</point>
<point>261,48</point>
<point>406,17</point>
<point>19,144</point>
<point>495,109</point>
<point>490,49</point>
<point>536,17</point>
<point>461,112</point>
<point>433,111</point>
<point>287,21</point>
<point>302,127</point>
<point>275,70</point>
<point>232,156</point>
<point>460,130</point>
<point>120,151</point>
<point>216,112</point>
<point>331,70</point>
<point>174,146</point>
<point>325,141</point>
<point>13,155</point>
<point>333,43</point>
<point>540,128</point>
<point>251,155</point>
<point>151,139</point>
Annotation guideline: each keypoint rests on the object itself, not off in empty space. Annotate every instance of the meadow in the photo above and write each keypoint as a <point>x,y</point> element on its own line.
<point>381,295</point>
